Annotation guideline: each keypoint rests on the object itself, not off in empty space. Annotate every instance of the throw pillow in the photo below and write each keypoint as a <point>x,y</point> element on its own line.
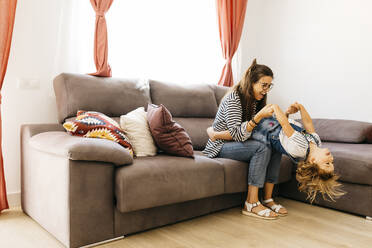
<point>92,124</point>
<point>168,135</point>
<point>137,129</point>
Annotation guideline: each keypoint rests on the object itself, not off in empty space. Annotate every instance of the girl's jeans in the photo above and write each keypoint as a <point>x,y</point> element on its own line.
<point>264,164</point>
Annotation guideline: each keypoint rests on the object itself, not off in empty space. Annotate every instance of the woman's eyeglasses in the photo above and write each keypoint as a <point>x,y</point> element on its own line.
<point>267,86</point>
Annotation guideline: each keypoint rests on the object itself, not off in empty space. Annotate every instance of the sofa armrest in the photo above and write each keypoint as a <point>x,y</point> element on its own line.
<point>79,148</point>
<point>73,200</point>
<point>29,130</point>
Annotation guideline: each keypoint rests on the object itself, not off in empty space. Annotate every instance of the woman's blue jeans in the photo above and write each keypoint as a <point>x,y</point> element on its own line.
<point>264,164</point>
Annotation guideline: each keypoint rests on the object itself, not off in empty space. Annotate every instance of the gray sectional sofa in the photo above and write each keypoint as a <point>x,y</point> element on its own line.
<point>88,190</point>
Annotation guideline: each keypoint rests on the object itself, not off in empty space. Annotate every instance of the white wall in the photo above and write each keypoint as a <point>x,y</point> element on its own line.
<point>38,52</point>
<point>320,52</point>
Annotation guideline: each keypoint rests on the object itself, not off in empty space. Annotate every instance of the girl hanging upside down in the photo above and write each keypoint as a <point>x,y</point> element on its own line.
<point>315,171</point>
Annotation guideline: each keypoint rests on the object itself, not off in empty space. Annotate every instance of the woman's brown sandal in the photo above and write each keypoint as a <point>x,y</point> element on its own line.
<point>275,207</point>
<point>263,214</point>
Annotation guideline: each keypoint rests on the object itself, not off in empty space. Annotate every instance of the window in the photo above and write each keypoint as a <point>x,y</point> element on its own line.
<point>168,40</point>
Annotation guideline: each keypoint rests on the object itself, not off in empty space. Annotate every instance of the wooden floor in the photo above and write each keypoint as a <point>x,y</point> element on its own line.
<point>305,226</point>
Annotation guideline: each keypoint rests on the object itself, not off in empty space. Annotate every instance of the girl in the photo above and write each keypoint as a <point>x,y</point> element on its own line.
<point>246,100</point>
<point>315,170</point>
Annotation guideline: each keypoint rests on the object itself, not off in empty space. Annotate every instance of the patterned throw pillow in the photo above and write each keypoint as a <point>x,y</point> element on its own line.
<point>92,124</point>
<point>169,136</point>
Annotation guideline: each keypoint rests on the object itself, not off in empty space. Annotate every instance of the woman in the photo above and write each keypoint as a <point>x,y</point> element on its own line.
<point>242,107</point>
<point>315,170</point>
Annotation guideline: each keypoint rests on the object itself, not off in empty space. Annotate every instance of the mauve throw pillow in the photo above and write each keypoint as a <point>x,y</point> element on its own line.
<point>169,136</point>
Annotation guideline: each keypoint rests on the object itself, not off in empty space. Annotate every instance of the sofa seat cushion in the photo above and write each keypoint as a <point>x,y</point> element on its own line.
<point>236,174</point>
<point>353,162</point>
<point>79,148</point>
<point>165,179</point>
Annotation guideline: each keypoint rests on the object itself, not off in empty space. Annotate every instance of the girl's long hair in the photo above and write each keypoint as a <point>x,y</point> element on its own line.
<point>312,182</point>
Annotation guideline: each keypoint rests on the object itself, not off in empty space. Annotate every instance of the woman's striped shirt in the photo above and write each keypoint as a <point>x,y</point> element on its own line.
<point>228,117</point>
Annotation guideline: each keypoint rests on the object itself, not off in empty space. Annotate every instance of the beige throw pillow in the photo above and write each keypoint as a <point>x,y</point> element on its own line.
<point>137,130</point>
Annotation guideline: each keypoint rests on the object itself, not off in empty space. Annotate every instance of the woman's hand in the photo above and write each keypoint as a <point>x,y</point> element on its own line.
<point>265,112</point>
<point>211,133</point>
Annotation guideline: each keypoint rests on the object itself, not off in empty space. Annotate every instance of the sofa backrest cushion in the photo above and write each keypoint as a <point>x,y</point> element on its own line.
<point>196,100</point>
<point>197,130</point>
<point>110,96</point>
<point>220,92</point>
<point>347,131</point>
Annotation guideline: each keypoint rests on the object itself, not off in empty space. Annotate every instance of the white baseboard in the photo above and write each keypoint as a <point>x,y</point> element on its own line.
<point>14,199</point>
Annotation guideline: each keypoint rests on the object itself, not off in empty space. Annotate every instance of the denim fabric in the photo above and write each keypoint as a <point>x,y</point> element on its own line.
<point>264,165</point>
<point>268,131</point>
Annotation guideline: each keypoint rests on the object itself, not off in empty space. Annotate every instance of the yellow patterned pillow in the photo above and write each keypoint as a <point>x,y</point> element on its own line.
<point>92,124</point>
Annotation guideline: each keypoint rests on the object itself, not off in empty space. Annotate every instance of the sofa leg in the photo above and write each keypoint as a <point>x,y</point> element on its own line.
<point>369,218</point>
<point>103,242</point>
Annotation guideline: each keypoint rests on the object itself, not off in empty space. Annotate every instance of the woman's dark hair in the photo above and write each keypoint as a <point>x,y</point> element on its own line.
<point>245,89</point>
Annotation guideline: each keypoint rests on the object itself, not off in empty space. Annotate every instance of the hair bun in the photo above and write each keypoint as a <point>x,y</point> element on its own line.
<point>254,62</point>
<point>253,65</point>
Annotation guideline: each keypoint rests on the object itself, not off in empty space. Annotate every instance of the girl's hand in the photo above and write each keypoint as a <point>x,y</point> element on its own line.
<point>211,133</point>
<point>266,111</point>
<point>293,108</point>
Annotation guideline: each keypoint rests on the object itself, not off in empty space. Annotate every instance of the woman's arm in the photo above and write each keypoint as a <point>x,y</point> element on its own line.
<point>242,131</point>
<point>233,115</point>
<point>225,135</point>
<point>214,135</point>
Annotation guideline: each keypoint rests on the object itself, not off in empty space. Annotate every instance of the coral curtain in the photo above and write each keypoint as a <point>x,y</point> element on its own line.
<point>100,38</point>
<point>230,15</point>
<point>7,14</point>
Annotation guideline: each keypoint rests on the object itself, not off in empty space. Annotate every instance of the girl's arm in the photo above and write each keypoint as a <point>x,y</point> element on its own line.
<point>283,120</point>
<point>306,119</point>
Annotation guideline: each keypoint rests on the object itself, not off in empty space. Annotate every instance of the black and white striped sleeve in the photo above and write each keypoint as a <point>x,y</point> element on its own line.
<point>233,117</point>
